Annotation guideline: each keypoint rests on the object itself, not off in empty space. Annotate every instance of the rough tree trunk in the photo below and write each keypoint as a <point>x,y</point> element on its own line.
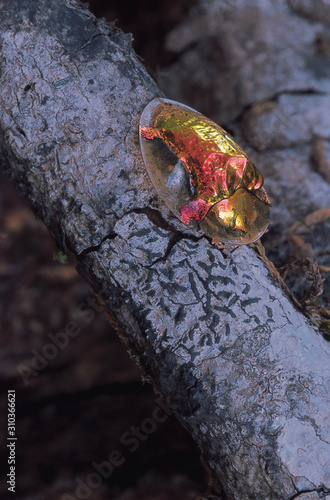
<point>247,374</point>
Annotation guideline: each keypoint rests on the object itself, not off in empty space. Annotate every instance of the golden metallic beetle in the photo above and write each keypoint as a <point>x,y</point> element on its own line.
<point>202,174</point>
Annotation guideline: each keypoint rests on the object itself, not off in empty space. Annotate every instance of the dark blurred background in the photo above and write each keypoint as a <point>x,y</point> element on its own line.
<point>79,400</point>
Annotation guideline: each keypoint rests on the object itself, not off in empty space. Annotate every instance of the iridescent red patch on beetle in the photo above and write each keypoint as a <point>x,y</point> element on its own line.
<point>195,165</point>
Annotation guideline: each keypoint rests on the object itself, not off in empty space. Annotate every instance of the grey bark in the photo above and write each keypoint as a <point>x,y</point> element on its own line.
<point>246,373</point>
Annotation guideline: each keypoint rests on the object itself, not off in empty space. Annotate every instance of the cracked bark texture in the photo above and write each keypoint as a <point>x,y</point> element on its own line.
<point>247,374</point>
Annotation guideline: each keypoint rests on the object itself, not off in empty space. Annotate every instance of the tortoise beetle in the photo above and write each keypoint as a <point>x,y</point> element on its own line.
<point>202,174</point>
